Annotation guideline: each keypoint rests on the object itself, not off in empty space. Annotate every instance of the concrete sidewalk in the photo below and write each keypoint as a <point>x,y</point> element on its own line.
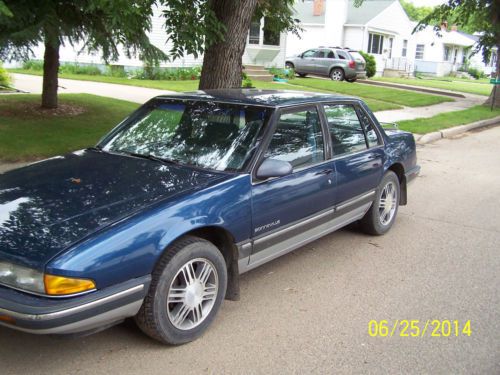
<point>411,113</point>
<point>33,84</point>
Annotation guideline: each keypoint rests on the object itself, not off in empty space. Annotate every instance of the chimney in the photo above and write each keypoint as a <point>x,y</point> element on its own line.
<point>318,7</point>
<point>444,25</point>
<point>454,28</point>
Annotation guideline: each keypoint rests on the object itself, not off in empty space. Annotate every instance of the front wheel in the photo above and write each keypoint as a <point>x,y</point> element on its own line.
<point>187,289</point>
<point>382,214</point>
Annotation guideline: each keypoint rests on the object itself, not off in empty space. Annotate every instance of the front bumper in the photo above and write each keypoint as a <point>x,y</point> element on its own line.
<point>74,315</point>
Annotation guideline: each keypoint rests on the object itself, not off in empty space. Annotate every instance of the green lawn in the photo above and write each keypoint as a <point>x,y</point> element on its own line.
<point>471,87</point>
<point>375,105</point>
<point>390,95</point>
<point>448,120</point>
<point>27,133</point>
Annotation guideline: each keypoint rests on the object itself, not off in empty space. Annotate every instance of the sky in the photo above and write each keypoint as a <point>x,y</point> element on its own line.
<point>427,2</point>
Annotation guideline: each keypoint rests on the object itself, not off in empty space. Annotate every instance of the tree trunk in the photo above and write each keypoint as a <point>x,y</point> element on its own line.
<point>50,73</point>
<point>222,62</point>
<point>496,90</point>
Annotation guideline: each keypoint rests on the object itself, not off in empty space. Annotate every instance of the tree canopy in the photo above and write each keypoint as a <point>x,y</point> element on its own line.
<point>104,26</point>
<point>414,12</point>
<point>472,15</point>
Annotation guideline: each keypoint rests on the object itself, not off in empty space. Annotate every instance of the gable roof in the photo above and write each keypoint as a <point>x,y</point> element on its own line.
<point>369,9</point>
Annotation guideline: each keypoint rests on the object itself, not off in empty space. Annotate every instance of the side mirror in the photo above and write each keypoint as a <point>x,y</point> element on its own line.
<point>273,168</point>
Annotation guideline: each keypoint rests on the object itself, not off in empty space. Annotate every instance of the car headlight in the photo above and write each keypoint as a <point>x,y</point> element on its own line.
<point>34,281</point>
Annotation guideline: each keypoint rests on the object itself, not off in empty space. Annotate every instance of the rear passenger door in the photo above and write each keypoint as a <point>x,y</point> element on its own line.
<point>357,153</point>
<point>286,207</point>
<point>326,57</point>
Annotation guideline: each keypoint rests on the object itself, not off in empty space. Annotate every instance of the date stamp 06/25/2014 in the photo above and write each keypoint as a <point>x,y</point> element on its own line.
<point>419,328</point>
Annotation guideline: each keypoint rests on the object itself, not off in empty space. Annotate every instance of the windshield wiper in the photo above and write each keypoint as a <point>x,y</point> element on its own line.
<point>148,157</point>
<point>96,149</point>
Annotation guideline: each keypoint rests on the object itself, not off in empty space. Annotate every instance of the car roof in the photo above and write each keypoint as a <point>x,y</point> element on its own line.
<point>270,98</point>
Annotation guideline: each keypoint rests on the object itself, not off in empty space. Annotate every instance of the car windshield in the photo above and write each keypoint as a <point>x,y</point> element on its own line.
<point>203,134</point>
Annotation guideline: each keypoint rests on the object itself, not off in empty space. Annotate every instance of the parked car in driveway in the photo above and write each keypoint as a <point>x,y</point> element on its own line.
<point>158,220</point>
<point>337,63</point>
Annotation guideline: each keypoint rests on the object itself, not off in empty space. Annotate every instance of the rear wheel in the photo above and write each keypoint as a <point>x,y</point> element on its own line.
<point>289,65</point>
<point>337,74</point>
<point>382,214</point>
<point>187,289</point>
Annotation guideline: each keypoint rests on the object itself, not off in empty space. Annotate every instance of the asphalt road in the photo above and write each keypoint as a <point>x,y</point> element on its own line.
<point>308,311</point>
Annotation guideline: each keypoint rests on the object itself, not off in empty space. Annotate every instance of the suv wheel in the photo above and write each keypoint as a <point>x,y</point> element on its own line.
<point>187,289</point>
<point>289,65</point>
<point>337,74</point>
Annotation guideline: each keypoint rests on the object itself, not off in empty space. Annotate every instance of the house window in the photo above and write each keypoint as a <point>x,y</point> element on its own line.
<point>405,48</point>
<point>254,34</point>
<point>447,51</point>
<point>375,43</point>
<point>419,53</point>
<point>271,37</point>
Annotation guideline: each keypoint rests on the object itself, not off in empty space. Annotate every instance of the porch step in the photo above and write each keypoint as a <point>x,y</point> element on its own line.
<point>258,72</point>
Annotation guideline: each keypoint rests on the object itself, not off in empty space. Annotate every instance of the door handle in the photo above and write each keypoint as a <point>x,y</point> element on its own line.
<point>325,171</point>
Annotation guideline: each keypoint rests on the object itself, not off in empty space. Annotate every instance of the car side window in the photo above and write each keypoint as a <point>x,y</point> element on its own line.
<point>345,129</point>
<point>298,139</point>
<point>331,55</point>
<point>371,134</point>
<point>309,53</point>
<point>320,54</point>
<point>342,55</point>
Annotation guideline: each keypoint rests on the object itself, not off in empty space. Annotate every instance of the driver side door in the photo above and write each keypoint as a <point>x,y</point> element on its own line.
<point>284,208</point>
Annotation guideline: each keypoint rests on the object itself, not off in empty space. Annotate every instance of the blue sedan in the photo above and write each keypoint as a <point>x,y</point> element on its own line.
<point>159,219</point>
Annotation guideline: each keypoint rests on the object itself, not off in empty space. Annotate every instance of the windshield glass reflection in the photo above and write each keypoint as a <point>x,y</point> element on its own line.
<point>204,134</point>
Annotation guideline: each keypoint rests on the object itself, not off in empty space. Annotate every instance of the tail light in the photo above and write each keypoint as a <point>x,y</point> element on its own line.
<point>352,64</point>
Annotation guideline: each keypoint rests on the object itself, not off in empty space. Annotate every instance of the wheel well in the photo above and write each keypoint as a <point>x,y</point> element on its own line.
<point>224,241</point>
<point>336,67</point>
<point>400,172</point>
<point>290,63</point>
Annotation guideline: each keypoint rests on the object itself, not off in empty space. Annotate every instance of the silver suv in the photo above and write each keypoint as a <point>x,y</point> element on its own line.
<point>334,62</point>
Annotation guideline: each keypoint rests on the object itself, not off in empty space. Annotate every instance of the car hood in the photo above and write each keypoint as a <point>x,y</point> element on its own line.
<point>47,206</point>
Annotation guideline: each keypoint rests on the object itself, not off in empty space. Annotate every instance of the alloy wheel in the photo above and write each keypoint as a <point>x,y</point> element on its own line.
<point>192,294</point>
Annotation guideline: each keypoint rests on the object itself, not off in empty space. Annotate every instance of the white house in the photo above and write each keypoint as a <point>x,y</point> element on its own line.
<point>379,27</point>
<point>440,54</point>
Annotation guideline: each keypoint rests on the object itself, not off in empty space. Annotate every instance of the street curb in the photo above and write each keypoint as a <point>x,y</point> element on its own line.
<point>452,132</point>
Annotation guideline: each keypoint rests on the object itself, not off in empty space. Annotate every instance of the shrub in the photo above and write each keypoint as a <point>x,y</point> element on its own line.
<point>476,73</point>
<point>168,74</point>
<point>4,77</point>
<point>286,73</point>
<point>115,71</point>
<point>91,70</point>
<point>33,65</point>
<point>371,64</point>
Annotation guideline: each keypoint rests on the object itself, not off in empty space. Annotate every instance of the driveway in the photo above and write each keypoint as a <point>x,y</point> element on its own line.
<point>308,312</point>
<point>33,84</point>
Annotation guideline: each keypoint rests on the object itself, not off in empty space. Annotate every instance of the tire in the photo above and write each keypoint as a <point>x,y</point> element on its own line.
<point>337,74</point>
<point>378,221</point>
<point>302,75</point>
<point>196,267</point>
<point>289,65</point>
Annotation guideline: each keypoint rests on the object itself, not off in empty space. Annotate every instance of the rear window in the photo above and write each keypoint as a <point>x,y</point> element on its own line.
<point>357,56</point>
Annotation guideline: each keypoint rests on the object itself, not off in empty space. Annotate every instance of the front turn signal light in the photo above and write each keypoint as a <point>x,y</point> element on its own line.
<point>60,285</point>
